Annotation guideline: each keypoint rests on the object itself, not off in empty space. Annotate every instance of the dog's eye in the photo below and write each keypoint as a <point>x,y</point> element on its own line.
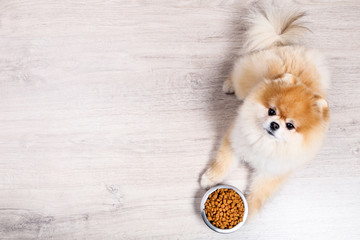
<point>289,126</point>
<point>271,112</point>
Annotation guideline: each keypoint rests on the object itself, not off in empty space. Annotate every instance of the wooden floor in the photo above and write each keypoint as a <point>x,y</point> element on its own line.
<point>111,110</point>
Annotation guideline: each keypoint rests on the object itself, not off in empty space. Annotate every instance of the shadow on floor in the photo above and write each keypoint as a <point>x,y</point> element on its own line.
<point>223,107</point>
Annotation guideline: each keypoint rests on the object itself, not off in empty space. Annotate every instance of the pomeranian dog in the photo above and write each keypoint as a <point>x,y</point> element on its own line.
<point>284,116</point>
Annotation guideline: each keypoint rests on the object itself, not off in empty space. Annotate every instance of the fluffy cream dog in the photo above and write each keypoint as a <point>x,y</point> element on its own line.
<point>283,119</point>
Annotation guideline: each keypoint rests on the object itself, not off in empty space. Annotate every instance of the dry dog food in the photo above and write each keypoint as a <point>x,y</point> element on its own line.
<point>224,208</point>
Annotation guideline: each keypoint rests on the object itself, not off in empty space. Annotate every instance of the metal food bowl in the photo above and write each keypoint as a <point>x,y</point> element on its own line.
<point>208,223</point>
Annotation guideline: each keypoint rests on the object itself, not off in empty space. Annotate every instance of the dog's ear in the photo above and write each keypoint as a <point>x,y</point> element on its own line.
<point>321,105</point>
<point>287,78</point>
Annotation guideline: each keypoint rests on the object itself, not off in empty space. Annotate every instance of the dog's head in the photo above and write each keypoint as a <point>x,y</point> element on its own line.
<point>286,110</point>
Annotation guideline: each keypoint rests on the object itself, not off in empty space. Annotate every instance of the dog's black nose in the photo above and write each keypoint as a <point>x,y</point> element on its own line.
<point>274,126</point>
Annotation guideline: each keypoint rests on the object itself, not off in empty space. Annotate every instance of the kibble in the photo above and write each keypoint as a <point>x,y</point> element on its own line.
<point>224,208</point>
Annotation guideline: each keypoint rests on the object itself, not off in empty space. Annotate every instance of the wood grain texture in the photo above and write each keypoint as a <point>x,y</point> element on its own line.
<point>111,110</point>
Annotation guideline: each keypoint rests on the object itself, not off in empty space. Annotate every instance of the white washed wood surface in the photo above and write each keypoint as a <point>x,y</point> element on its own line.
<point>110,110</point>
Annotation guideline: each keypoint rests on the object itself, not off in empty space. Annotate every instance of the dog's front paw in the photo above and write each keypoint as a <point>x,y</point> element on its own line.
<point>206,182</point>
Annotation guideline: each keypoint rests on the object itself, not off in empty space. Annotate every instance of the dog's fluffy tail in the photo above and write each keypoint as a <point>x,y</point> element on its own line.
<point>272,26</point>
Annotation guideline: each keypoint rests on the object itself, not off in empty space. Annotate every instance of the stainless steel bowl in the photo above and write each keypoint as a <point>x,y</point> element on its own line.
<point>202,207</point>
